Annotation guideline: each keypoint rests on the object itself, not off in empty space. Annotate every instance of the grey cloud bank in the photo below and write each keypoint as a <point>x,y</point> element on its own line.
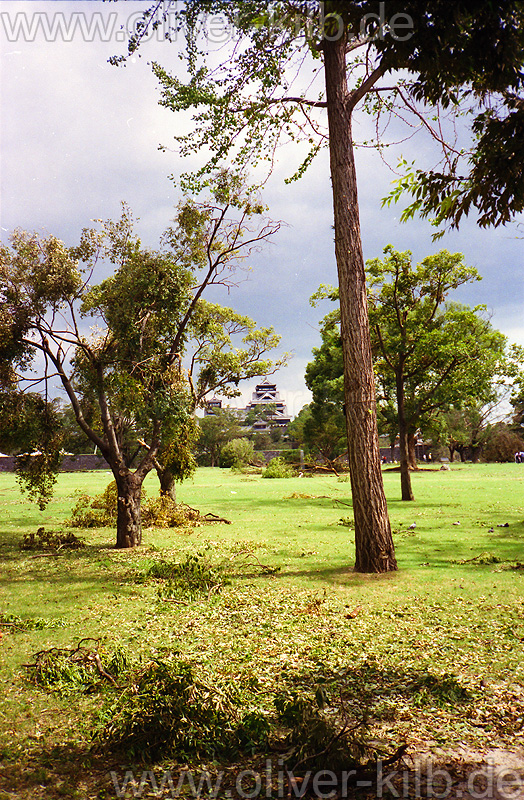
<point>79,136</point>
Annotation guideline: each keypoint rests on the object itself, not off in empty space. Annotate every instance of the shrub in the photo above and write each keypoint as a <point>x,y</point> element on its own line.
<point>237,453</point>
<point>277,468</point>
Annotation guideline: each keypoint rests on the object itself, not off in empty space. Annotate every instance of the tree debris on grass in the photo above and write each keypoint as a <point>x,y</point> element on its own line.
<point>15,624</point>
<point>491,558</point>
<point>157,512</point>
<point>51,541</point>
<point>77,668</point>
<point>168,710</point>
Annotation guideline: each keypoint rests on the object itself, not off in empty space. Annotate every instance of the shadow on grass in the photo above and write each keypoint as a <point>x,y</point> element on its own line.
<point>11,547</point>
<point>80,570</point>
<point>369,682</point>
<point>340,574</point>
<point>310,709</point>
<point>55,770</point>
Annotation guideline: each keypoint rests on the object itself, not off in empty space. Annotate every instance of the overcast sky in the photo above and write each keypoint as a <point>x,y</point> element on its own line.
<point>78,136</point>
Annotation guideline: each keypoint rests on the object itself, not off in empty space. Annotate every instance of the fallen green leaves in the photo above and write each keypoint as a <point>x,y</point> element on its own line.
<point>267,613</point>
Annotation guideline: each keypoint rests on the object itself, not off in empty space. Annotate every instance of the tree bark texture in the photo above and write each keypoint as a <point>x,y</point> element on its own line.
<point>412,450</point>
<point>405,477</point>
<point>373,540</point>
<point>167,483</point>
<point>128,520</point>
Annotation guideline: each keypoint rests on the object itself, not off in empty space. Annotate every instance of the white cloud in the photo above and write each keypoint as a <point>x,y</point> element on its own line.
<point>79,136</point>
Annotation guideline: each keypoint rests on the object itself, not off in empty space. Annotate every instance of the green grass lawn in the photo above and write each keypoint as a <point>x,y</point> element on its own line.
<point>430,656</point>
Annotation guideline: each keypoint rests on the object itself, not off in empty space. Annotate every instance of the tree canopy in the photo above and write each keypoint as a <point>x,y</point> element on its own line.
<point>146,318</point>
<point>216,430</point>
<point>429,356</point>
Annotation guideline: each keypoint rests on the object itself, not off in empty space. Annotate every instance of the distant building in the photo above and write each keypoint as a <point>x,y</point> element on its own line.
<point>212,405</point>
<point>266,394</point>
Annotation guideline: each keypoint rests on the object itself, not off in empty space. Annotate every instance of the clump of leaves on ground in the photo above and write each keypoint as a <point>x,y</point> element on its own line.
<point>190,578</point>
<point>168,710</point>
<point>12,623</point>
<point>51,540</point>
<point>325,719</point>
<point>80,668</point>
<point>157,512</point>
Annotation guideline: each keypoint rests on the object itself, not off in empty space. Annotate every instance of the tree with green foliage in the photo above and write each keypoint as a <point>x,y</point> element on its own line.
<point>216,365</point>
<point>502,443</point>
<point>260,412</point>
<point>145,315</point>
<point>321,425</point>
<point>463,430</point>
<point>243,108</point>
<point>216,430</point>
<point>481,75</point>
<point>321,430</point>
<point>428,357</point>
<point>74,439</point>
<point>31,429</point>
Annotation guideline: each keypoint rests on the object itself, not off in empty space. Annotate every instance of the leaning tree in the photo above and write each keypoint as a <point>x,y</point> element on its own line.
<point>263,91</point>
<point>143,318</point>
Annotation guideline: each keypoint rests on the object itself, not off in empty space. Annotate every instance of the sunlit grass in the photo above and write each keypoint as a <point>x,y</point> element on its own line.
<point>293,607</point>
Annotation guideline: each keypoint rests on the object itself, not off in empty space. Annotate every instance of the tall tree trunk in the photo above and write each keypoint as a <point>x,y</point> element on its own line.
<point>128,520</point>
<point>373,540</point>
<point>405,477</point>
<point>412,450</point>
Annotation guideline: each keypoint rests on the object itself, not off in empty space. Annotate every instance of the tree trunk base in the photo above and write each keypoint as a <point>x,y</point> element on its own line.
<point>128,521</point>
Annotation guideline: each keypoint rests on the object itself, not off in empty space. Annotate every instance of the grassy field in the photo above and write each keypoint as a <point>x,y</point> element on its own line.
<point>429,657</point>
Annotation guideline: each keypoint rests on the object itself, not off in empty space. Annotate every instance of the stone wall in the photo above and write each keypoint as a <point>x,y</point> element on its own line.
<point>83,462</point>
<point>80,463</point>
